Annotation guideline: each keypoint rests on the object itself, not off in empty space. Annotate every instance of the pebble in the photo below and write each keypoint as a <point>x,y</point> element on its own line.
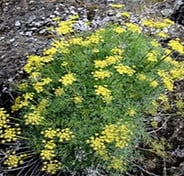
<point>17,23</point>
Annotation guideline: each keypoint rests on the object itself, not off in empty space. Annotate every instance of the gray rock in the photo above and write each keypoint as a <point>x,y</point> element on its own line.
<point>18,23</point>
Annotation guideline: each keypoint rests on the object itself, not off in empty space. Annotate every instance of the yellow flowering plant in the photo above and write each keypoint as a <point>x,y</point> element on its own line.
<point>84,101</point>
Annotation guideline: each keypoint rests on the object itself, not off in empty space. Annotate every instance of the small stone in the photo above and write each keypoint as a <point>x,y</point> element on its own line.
<point>167,12</point>
<point>28,33</point>
<point>17,23</point>
<point>42,31</point>
<point>12,40</point>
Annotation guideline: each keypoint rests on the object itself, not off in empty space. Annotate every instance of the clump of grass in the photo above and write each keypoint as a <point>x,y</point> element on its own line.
<point>84,101</point>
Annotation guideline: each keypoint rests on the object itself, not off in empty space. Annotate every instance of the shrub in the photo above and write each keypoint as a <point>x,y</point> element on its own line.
<point>85,99</point>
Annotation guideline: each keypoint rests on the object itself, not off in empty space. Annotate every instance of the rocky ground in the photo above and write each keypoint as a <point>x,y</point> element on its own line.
<point>23,31</point>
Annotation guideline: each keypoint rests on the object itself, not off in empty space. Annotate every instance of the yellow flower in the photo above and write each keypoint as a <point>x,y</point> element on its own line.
<point>133,27</point>
<point>49,133</point>
<point>104,92</point>
<point>10,134</point>
<point>176,45</point>
<point>47,154</point>
<point>153,84</point>
<point>33,118</point>
<point>121,69</point>
<point>155,43</point>
<point>157,24</point>
<point>141,77</point>
<point>119,30</point>
<point>64,63</point>
<point>68,79</point>
<point>110,60</point>
<point>125,14</point>
<point>109,133</point>
<point>74,17</point>
<point>117,6</point>
<point>97,143</point>
<point>76,41</point>
<point>152,56</point>
<point>3,118</point>
<point>38,86</point>
<point>64,27</point>
<point>49,144</point>
<point>117,164</point>
<point>101,74</point>
<point>95,50</point>
<point>65,135</point>
<point>61,46</point>
<point>50,51</point>
<point>162,34</point>
<point>117,51</point>
<point>14,160</point>
<point>100,63</point>
<point>59,91</point>
<point>131,112</point>
<point>77,99</point>
<point>52,166</point>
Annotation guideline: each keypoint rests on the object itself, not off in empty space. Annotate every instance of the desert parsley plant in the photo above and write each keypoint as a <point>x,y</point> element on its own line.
<point>84,101</point>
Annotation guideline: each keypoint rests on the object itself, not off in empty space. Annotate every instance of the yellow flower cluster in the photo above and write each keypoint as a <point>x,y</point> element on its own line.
<point>117,6</point>
<point>119,30</point>
<point>141,76</point>
<point>125,14</point>
<point>51,166</point>
<point>109,60</point>
<point>160,24</point>
<point>61,46</point>
<point>48,153</point>
<point>92,39</point>
<point>4,118</point>
<point>33,118</point>
<point>13,160</point>
<point>68,79</point>
<point>97,143</point>
<point>152,56</point>
<point>167,80</point>
<point>117,164</point>
<point>78,99</point>
<point>101,74</point>
<point>155,43</point>
<point>59,91</point>
<point>50,133</point>
<point>131,112</point>
<point>117,134</point>
<point>41,107</point>
<point>8,133</point>
<point>118,51</point>
<point>122,69</point>
<point>35,63</point>
<point>154,84</point>
<point>38,86</point>
<point>62,134</point>
<point>22,101</point>
<point>176,45</point>
<point>133,27</point>
<point>162,34</point>
<point>104,92</point>
<point>65,27</point>
<point>65,135</point>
